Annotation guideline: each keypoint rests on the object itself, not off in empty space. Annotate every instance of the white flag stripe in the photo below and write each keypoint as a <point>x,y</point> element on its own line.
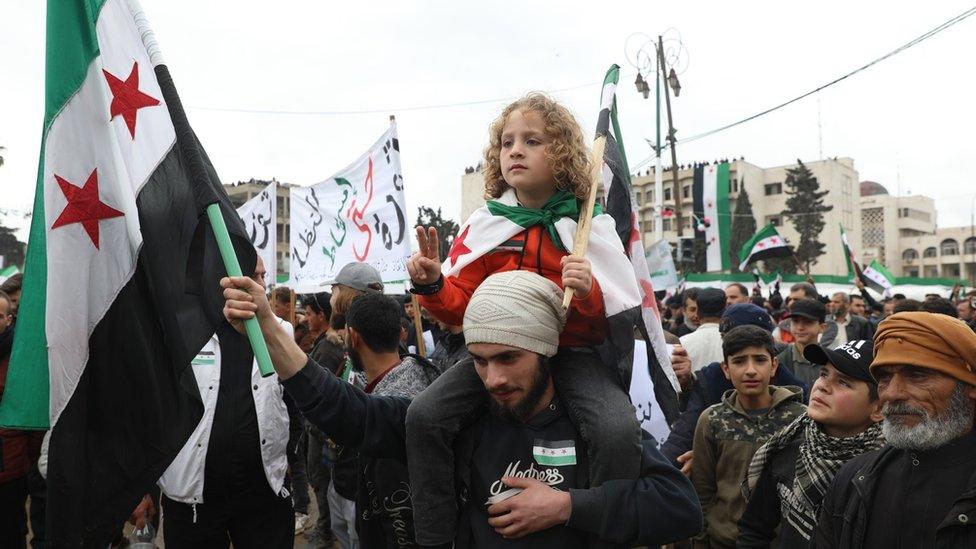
<point>79,142</point>
<point>713,253</point>
<point>608,95</point>
<point>555,452</point>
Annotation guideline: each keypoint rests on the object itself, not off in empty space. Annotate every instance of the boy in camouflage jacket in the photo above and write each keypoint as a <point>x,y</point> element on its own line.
<point>729,433</point>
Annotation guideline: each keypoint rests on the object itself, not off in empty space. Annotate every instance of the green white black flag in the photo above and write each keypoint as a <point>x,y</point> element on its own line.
<point>878,278</point>
<point>764,244</point>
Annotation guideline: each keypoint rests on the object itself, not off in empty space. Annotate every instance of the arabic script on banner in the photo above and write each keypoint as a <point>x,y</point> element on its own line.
<point>261,221</point>
<point>356,215</point>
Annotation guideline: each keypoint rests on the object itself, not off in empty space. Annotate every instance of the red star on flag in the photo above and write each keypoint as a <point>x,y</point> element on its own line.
<point>84,206</point>
<point>126,97</point>
<point>458,248</point>
<point>760,245</point>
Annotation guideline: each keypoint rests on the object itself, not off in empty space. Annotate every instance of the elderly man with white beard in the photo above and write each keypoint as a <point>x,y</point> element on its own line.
<point>920,489</point>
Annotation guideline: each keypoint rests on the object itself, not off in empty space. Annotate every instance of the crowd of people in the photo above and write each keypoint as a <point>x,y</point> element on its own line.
<point>805,420</point>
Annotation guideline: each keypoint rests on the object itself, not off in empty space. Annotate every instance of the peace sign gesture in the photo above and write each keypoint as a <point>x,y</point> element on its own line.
<point>424,266</point>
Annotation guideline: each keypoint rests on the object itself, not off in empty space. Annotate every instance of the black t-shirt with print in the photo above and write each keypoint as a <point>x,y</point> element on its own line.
<point>543,449</point>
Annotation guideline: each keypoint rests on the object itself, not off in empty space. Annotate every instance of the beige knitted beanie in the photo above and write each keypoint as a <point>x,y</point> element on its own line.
<point>516,308</point>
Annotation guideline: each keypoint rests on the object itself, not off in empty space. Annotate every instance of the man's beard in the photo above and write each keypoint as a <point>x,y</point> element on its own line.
<point>354,359</point>
<point>930,432</point>
<point>522,410</point>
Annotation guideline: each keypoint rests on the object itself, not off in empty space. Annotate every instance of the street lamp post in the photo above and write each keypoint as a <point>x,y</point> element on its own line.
<point>675,186</point>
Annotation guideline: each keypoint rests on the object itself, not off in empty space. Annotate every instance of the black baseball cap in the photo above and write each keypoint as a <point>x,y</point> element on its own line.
<point>808,308</point>
<point>852,358</point>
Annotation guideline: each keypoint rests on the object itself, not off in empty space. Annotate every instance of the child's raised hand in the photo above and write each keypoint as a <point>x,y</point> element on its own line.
<point>577,274</point>
<point>424,266</point>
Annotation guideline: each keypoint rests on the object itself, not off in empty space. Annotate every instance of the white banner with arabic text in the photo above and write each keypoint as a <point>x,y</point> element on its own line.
<point>356,215</point>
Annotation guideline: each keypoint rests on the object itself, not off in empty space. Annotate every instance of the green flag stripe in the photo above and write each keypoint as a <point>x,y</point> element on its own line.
<point>71,47</point>
<point>724,219</point>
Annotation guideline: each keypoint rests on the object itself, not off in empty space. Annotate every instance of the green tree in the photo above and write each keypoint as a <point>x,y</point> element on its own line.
<point>11,249</point>
<point>447,229</point>
<point>743,226</point>
<point>805,208</point>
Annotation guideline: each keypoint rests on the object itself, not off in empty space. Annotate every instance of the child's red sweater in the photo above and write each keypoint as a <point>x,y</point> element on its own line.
<point>532,250</point>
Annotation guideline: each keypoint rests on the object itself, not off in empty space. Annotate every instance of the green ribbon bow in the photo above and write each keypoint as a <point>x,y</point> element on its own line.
<point>560,205</point>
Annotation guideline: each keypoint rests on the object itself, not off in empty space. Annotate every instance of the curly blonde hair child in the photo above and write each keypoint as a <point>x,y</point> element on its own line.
<point>567,154</point>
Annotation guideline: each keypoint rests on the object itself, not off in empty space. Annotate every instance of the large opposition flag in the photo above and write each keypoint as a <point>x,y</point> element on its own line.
<point>355,215</point>
<point>878,278</point>
<point>260,216</point>
<point>622,207</point>
<point>121,279</point>
<point>764,244</point>
<point>710,195</point>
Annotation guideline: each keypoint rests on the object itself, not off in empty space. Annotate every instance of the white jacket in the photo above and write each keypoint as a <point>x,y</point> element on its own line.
<point>183,480</point>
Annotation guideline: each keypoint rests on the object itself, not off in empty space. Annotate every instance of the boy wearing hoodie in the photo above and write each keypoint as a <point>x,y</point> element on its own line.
<point>729,433</point>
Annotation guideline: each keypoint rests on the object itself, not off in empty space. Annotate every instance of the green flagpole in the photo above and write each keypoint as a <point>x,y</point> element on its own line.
<point>233,267</point>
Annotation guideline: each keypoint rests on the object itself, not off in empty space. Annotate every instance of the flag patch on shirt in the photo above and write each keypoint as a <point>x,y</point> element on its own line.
<point>204,357</point>
<point>511,245</point>
<point>554,453</point>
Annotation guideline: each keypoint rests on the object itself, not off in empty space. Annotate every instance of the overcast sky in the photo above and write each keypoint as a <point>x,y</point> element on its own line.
<point>907,122</point>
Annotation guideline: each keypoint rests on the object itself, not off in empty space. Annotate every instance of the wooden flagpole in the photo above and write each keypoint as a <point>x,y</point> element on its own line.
<point>582,239</point>
<point>418,326</point>
<point>291,299</point>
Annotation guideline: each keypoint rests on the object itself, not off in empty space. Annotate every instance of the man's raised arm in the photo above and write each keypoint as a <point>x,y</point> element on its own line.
<point>372,424</point>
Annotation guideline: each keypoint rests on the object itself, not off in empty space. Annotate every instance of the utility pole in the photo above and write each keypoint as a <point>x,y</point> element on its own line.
<point>676,188</point>
<point>658,170</point>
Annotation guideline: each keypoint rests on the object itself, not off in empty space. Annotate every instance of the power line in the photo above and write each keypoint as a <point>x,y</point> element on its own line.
<point>903,47</point>
<point>390,109</point>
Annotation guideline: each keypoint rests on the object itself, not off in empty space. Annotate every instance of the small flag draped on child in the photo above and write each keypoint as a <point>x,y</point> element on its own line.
<point>121,286</point>
<point>622,206</point>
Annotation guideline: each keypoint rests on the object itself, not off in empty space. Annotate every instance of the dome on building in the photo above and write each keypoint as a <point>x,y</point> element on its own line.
<point>870,188</point>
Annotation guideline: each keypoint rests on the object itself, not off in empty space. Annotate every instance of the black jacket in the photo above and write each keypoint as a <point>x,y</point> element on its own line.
<point>763,516</point>
<point>658,508</point>
<point>843,521</point>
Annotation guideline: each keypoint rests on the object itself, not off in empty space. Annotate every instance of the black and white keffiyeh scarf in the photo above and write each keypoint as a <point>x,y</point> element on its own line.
<point>820,457</point>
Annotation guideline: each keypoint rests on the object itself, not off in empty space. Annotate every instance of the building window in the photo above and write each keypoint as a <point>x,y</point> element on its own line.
<point>969,246</point>
<point>774,188</point>
<point>949,246</point>
<point>909,255</point>
<point>637,198</point>
<point>667,194</point>
<point>775,220</point>
<point>951,270</point>
<point>685,191</point>
<point>930,252</point>
<point>931,271</point>
<point>911,272</point>
<point>685,222</point>
<point>666,224</point>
